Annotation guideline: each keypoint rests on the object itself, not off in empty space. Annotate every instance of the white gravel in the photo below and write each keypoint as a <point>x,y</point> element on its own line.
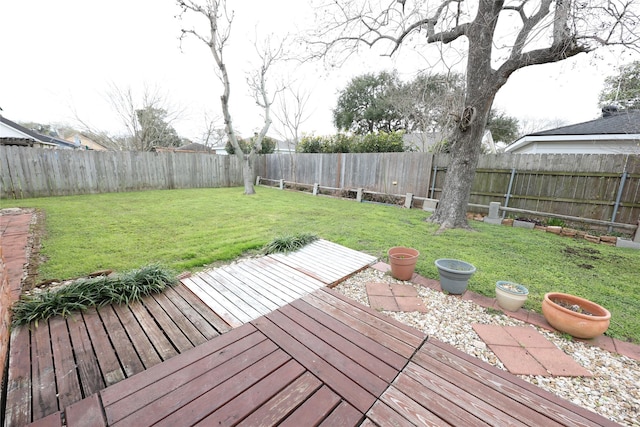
<point>613,391</point>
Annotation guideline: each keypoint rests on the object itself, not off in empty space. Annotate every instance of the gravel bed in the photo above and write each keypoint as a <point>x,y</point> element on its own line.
<point>613,391</point>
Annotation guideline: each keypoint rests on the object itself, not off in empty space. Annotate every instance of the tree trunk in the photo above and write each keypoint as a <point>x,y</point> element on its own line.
<point>248,175</point>
<point>482,85</point>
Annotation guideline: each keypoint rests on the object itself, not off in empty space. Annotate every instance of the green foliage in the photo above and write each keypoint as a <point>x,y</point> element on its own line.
<point>288,243</point>
<point>381,102</point>
<point>555,222</point>
<point>121,231</point>
<point>96,292</point>
<point>268,145</point>
<point>623,89</point>
<point>381,142</point>
<point>365,105</point>
<point>311,144</point>
<point>503,128</point>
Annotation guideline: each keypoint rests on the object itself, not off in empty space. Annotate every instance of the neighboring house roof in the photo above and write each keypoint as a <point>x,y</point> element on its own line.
<point>195,147</point>
<point>614,132</point>
<point>83,142</point>
<point>12,131</point>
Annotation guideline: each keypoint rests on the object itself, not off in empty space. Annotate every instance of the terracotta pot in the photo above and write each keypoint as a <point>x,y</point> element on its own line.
<point>403,262</point>
<point>454,275</point>
<point>576,324</point>
<point>511,296</point>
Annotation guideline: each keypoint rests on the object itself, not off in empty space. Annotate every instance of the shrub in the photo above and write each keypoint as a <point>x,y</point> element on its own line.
<point>288,243</point>
<point>381,142</point>
<point>96,292</point>
<point>268,145</point>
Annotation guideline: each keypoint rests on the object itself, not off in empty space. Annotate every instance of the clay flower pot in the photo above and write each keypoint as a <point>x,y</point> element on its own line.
<point>576,316</point>
<point>403,262</point>
<point>510,296</point>
<point>454,275</point>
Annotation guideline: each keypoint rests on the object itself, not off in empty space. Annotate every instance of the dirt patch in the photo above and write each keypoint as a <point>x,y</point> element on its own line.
<point>37,232</point>
<point>584,253</point>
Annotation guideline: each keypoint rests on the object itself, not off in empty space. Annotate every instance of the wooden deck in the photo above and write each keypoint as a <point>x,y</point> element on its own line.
<point>242,292</point>
<point>323,360</point>
<point>62,361</point>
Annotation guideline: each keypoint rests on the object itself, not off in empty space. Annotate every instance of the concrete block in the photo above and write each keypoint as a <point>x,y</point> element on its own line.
<point>430,205</point>
<point>315,189</point>
<point>258,180</point>
<point>495,221</point>
<point>623,243</point>
<point>636,238</point>
<point>408,200</point>
<point>523,224</point>
<point>359,195</point>
<point>494,210</point>
<point>282,184</point>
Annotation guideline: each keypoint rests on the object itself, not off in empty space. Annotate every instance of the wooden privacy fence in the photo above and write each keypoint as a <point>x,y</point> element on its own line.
<point>600,187</point>
<point>35,172</point>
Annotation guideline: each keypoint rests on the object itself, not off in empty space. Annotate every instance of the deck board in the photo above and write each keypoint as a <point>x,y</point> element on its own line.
<point>19,379</point>
<point>139,339</point>
<point>68,383</point>
<point>89,374</point>
<point>42,369</point>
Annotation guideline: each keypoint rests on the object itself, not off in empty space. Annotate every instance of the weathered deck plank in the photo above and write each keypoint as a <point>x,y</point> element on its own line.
<point>139,339</point>
<point>18,409</point>
<point>44,399</point>
<point>201,309</point>
<point>68,383</point>
<point>89,373</point>
<point>123,348</point>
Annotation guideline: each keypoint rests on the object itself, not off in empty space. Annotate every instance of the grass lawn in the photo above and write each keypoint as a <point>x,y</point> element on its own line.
<point>189,229</point>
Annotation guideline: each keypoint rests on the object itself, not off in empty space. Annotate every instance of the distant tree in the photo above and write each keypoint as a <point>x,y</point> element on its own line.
<point>366,105</point>
<point>623,89</point>
<point>503,128</point>
<point>146,120</point>
<point>268,145</point>
<point>425,103</point>
<point>154,130</point>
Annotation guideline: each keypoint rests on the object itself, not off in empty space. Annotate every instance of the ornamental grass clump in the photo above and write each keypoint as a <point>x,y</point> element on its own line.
<point>289,243</point>
<point>96,292</point>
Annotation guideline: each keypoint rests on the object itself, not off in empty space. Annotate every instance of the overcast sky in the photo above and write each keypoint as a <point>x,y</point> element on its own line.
<point>60,57</point>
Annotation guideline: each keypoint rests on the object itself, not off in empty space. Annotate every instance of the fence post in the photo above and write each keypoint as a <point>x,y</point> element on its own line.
<point>315,188</point>
<point>508,195</point>
<point>282,184</point>
<point>408,200</point>
<point>359,195</point>
<point>494,210</point>
<point>433,181</point>
<point>258,180</point>
<point>623,179</point>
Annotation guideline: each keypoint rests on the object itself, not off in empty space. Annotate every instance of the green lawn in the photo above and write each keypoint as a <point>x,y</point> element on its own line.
<point>188,229</point>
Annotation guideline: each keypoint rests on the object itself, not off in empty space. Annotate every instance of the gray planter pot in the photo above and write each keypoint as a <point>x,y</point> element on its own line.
<point>454,275</point>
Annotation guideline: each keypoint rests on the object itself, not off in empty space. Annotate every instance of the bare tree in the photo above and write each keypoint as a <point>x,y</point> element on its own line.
<point>219,21</point>
<point>497,37</point>
<point>146,120</point>
<point>292,113</point>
